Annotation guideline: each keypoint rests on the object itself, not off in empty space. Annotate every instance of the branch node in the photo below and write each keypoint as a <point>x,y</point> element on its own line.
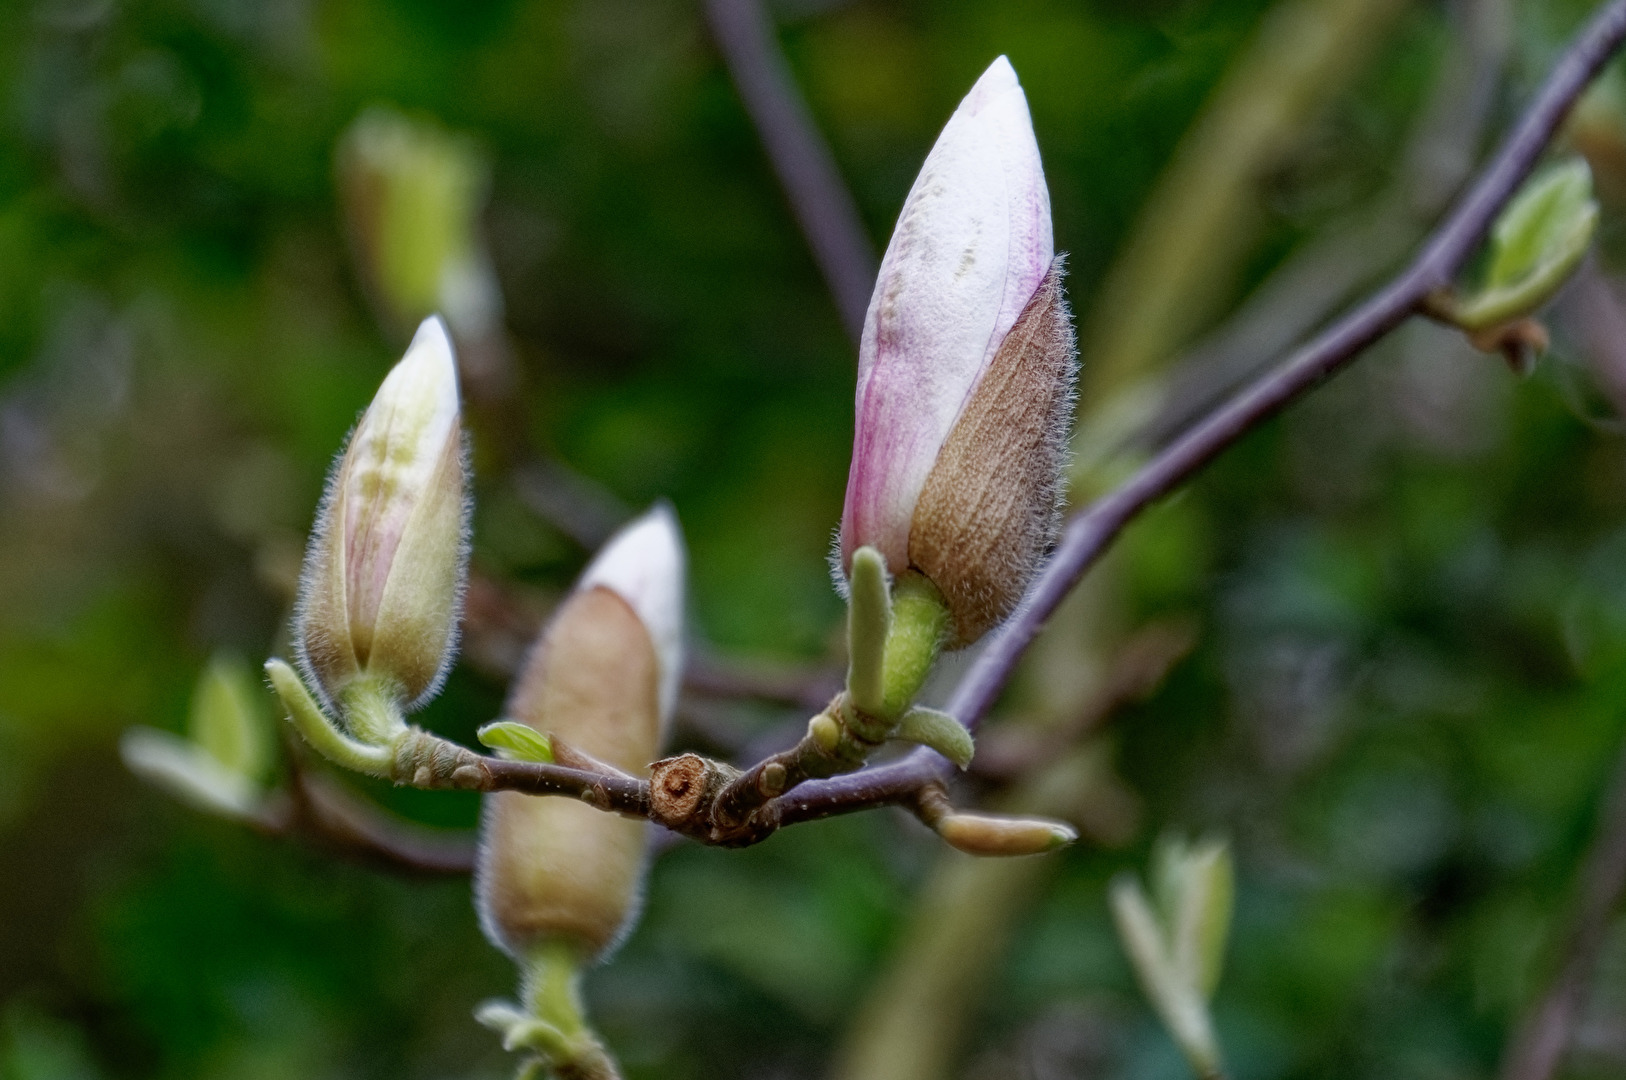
<point>682,789</point>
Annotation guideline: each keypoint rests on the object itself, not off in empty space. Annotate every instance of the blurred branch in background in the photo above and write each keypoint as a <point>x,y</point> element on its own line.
<point>800,156</point>
<point>1315,281</point>
<point>318,807</point>
<point>1197,226</point>
<point>1543,1036</point>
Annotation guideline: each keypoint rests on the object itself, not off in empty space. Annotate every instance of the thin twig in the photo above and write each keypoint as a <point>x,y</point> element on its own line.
<point>1090,532</point>
<point>1543,1036</point>
<point>1315,282</point>
<point>801,158</point>
<point>316,808</point>
<point>319,807</point>
<point>683,791</point>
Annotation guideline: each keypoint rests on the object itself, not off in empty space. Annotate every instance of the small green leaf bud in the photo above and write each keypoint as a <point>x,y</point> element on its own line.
<point>516,742</point>
<point>1538,240</point>
<point>1177,946</point>
<point>1194,887</point>
<point>938,730</point>
<point>383,577</point>
<point>227,719</point>
<point>189,772</point>
<point>221,768</point>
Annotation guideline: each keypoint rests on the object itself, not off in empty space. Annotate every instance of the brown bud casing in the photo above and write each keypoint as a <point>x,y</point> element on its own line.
<point>990,508</point>
<point>550,868</point>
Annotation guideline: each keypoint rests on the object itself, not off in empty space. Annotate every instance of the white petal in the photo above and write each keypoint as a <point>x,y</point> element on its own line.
<point>644,564</point>
<point>972,243</point>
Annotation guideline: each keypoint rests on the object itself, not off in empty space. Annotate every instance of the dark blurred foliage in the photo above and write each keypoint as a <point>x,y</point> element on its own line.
<point>1408,690</point>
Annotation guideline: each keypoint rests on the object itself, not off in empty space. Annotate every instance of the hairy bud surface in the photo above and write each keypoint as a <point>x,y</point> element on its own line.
<point>383,575</point>
<point>602,679</point>
<point>966,368</point>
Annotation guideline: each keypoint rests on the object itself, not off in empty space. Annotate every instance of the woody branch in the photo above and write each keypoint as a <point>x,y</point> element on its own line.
<point>1089,533</point>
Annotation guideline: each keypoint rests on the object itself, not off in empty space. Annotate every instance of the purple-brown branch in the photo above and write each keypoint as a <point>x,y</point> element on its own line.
<point>818,196</point>
<point>320,808</point>
<point>682,792</point>
<point>1089,533</point>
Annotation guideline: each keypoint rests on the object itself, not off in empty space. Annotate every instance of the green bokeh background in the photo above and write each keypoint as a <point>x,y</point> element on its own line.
<point>1410,678</point>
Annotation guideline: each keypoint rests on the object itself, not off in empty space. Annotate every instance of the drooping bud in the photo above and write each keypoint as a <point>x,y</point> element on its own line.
<point>602,680</point>
<point>966,369</point>
<point>383,575</point>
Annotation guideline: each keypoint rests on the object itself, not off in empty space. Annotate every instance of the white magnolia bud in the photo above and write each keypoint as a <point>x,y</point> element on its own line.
<point>966,369</point>
<point>602,678</point>
<point>383,577</point>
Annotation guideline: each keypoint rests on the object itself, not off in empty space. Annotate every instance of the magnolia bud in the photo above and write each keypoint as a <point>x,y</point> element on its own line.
<point>966,370</point>
<point>603,678</point>
<point>412,195</point>
<point>383,575</point>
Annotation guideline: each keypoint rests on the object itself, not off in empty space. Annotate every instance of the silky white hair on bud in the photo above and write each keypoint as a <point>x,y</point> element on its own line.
<point>389,464</point>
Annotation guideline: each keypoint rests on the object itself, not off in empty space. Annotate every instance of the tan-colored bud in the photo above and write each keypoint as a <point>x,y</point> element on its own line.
<point>990,507</point>
<point>383,575</point>
<point>982,834</point>
<point>600,680</point>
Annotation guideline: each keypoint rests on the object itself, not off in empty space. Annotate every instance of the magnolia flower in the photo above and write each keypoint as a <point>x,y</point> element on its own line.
<point>602,680</point>
<point>383,575</point>
<point>965,369</point>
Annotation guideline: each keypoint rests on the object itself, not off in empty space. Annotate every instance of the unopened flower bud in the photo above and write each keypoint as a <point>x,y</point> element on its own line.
<point>412,195</point>
<point>603,680</point>
<point>383,575</point>
<point>966,370</point>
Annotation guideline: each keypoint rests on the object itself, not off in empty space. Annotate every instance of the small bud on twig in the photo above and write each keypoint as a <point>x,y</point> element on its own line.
<point>412,198</point>
<point>1537,242</point>
<point>221,765</point>
<point>988,834</point>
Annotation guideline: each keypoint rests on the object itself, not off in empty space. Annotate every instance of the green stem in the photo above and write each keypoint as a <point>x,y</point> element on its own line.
<point>318,730</point>
<point>552,995</point>
<point>372,712</point>
<point>919,623</point>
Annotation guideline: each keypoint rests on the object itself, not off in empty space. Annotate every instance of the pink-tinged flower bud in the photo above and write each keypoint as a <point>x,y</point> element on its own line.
<point>965,369</point>
<point>603,679</point>
<point>383,575</point>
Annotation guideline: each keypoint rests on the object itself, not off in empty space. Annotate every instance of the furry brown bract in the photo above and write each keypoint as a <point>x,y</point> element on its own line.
<point>990,508</point>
